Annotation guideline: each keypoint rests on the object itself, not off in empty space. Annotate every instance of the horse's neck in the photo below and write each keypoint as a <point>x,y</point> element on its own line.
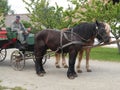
<point>87,33</point>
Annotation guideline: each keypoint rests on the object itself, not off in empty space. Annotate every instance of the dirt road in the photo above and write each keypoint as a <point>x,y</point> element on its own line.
<point>104,76</point>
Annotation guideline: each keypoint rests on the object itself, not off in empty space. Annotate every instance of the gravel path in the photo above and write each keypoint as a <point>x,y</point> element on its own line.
<point>104,76</point>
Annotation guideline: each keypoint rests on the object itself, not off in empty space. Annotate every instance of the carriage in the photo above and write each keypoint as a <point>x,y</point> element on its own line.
<point>8,39</point>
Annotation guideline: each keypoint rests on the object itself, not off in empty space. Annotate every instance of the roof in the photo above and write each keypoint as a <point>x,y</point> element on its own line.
<point>10,18</point>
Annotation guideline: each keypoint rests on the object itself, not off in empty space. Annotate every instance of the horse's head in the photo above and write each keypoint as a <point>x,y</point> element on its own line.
<point>103,32</point>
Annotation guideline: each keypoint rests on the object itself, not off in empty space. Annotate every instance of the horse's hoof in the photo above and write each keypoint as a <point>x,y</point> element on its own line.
<point>65,66</point>
<point>75,75</point>
<point>79,71</point>
<point>71,77</point>
<point>57,66</point>
<point>89,70</point>
<point>41,74</point>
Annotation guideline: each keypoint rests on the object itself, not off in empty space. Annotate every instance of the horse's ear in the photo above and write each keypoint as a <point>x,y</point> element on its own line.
<point>97,23</point>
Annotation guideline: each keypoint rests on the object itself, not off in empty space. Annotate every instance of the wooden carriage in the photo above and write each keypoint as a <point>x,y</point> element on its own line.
<point>8,39</point>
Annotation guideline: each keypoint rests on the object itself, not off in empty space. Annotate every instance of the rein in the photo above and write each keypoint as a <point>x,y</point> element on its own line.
<point>70,43</point>
<point>102,44</point>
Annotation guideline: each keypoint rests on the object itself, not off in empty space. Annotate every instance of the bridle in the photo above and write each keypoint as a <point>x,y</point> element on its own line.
<point>98,33</point>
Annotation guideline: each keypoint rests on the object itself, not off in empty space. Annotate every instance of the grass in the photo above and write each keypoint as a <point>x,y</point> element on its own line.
<point>17,88</point>
<point>105,54</point>
<point>8,88</point>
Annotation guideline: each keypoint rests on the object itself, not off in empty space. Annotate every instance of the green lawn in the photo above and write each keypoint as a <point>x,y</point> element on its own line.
<point>105,54</point>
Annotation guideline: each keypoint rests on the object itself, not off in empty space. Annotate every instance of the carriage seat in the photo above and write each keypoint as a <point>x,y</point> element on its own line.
<point>11,34</point>
<point>3,34</point>
<point>30,39</point>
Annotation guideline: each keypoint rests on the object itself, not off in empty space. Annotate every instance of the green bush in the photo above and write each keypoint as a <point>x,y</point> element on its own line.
<point>26,24</point>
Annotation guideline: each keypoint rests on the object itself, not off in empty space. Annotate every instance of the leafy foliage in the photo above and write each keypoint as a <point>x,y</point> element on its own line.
<point>45,16</point>
<point>26,24</point>
<point>4,9</point>
<point>98,10</point>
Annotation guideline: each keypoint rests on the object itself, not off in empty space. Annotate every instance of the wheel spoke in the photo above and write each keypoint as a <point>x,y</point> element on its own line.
<point>3,54</point>
<point>17,60</point>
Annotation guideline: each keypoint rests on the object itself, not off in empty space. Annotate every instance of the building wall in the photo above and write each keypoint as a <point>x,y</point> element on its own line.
<point>10,18</point>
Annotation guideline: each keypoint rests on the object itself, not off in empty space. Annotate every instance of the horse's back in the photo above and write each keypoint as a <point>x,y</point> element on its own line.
<point>45,33</point>
<point>49,38</point>
<point>84,26</point>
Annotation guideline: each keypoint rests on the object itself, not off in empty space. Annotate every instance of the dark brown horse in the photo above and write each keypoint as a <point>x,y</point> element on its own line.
<point>87,53</point>
<point>71,41</point>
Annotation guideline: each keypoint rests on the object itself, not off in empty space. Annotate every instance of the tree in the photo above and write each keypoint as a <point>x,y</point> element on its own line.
<point>98,10</point>
<point>44,16</point>
<point>4,9</point>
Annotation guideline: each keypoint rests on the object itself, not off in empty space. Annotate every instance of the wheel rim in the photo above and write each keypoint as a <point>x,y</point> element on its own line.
<point>17,60</point>
<point>3,54</point>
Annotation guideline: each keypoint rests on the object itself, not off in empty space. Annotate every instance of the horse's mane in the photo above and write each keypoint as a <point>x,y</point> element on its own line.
<point>107,27</point>
<point>84,29</point>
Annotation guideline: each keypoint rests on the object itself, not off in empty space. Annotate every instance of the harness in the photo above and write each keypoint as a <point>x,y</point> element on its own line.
<point>72,41</point>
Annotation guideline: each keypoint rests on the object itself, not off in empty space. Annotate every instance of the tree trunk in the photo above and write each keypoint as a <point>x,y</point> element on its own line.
<point>118,44</point>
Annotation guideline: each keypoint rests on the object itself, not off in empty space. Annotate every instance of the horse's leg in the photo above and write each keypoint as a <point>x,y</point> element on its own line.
<point>79,61</point>
<point>39,53</point>
<point>71,74</point>
<point>57,63</point>
<point>87,59</point>
<point>64,61</point>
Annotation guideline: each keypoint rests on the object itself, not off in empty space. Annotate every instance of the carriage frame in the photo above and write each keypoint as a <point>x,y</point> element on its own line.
<point>19,56</point>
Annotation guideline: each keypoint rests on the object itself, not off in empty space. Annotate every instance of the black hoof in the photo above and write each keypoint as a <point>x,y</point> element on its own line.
<point>41,74</point>
<point>75,75</point>
<point>71,75</point>
<point>44,72</point>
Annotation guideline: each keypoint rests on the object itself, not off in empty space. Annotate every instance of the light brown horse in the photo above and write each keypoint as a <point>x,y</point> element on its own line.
<point>87,53</point>
<point>57,55</point>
